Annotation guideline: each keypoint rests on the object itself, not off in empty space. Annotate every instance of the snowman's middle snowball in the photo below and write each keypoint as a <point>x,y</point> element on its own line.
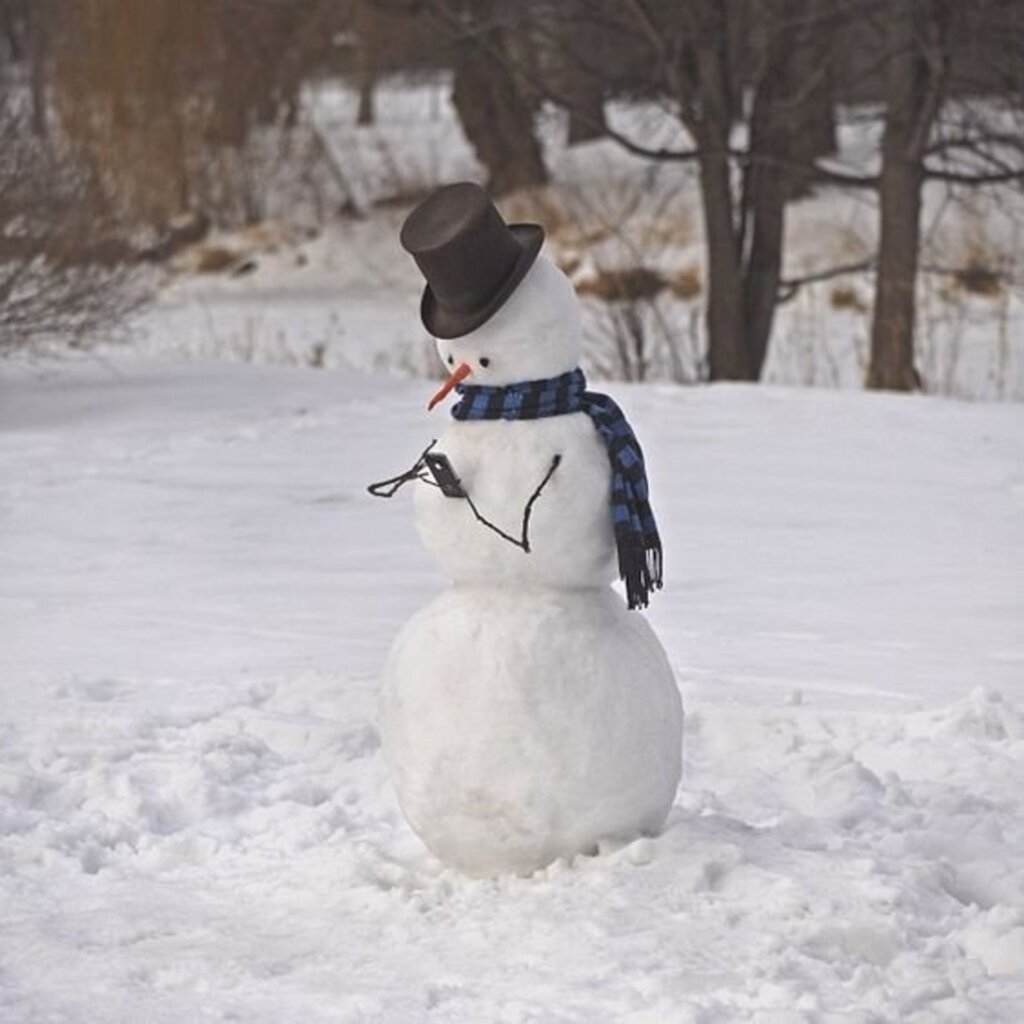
<point>501,463</point>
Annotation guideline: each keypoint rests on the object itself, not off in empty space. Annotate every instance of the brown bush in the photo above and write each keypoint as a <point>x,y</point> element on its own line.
<point>977,278</point>
<point>64,276</point>
<point>159,99</point>
<point>542,205</point>
<point>568,261</point>
<point>214,259</point>
<point>687,284</point>
<point>846,297</point>
<point>625,285</point>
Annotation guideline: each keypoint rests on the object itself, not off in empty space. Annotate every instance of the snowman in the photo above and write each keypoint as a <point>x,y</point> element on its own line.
<point>527,713</point>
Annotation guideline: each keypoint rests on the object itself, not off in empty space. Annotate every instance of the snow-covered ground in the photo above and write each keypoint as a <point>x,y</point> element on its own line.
<point>196,598</point>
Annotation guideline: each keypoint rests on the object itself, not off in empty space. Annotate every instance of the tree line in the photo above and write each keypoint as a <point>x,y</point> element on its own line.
<point>759,91</point>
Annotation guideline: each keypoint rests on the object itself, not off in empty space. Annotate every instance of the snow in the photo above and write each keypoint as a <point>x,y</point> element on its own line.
<point>196,602</point>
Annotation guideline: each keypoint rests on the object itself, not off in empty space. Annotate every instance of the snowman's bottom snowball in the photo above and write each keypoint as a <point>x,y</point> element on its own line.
<point>521,726</point>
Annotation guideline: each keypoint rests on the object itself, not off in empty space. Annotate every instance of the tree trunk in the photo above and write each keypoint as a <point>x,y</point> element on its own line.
<point>727,355</point>
<point>892,328</point>
<point>367,85</point>
<point>39,23</point>
<point>789,129</point>
<point>564,48</point>
<point>495,115</point>
<point>10,31</point>
<point>366,67</point>
<point>913,89</point>
<point>763,267</point>
<point>763,206</point>
<point>586,113</point>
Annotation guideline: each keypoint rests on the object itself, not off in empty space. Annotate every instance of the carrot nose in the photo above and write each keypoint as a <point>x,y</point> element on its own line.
<point>459,373</point>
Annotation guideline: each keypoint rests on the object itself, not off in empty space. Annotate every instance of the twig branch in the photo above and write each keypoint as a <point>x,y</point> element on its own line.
<point>788,287</point>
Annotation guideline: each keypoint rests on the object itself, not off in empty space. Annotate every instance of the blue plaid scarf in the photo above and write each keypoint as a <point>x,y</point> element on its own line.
<point>636,534</point>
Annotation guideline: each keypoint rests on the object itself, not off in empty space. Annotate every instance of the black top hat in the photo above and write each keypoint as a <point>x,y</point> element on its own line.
<point>471,258</point>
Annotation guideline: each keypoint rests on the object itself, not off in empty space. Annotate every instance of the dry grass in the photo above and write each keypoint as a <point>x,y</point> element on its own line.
<point>542,205</point>
<point>979,277</point>
<point>568,261</point>
<point>271,236</point>
<point>847,297</point>
<point>687,284</point>
<point>670,227</point>
<point>980,267</point>
<point>575,233</point>
<point>214,259</point>
<point>626,285</point>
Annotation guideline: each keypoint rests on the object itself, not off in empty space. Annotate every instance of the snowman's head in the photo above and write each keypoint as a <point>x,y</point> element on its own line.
<point>536,334</point>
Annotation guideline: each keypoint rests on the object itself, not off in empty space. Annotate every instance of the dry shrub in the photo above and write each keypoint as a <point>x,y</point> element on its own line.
<point>163,104</point>
<point>978,277</point>
<point>271,236</point>
<point>125,85</point>
<point>214,259</point>
<point>568,261</point>
<point>846,297</point>
<point>541,205</point>
<point>575,233</point>
<point>673,228</point>
<point>687,284</point>
<point>64,275</point>
<point>628,284</point>
<point>237,251</point>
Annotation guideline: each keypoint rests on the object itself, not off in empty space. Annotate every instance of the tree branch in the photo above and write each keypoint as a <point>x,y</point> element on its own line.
<point>960,178</point>
<point>788,287</point>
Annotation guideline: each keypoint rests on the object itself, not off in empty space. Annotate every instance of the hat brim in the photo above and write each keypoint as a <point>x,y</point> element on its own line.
<point>449,323</point>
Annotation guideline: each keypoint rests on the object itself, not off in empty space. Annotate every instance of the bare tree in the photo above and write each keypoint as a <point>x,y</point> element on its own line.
<point>947,80</point>
<point>914,82</point>
<point>495,104</point>
<point>952,83</point>
<point>578,57</point>
<point>162,102</point>
<point>698,59</point>
<point>63,276</point>
<point>946,76</point>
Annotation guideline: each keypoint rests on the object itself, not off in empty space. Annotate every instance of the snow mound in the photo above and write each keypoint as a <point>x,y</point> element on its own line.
<point>982,715</point>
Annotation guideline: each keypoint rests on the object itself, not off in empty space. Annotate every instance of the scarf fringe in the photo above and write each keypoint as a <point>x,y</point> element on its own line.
<point>640,568</point>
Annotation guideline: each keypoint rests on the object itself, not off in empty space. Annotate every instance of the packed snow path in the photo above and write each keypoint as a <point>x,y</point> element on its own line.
<point>196,597</point>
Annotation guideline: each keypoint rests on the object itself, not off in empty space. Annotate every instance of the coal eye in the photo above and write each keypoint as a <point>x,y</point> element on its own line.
<point>484,361</point>
<point>451,359</point>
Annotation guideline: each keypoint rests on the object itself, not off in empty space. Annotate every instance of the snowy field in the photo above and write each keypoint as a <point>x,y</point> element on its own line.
<point>196,598</point>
